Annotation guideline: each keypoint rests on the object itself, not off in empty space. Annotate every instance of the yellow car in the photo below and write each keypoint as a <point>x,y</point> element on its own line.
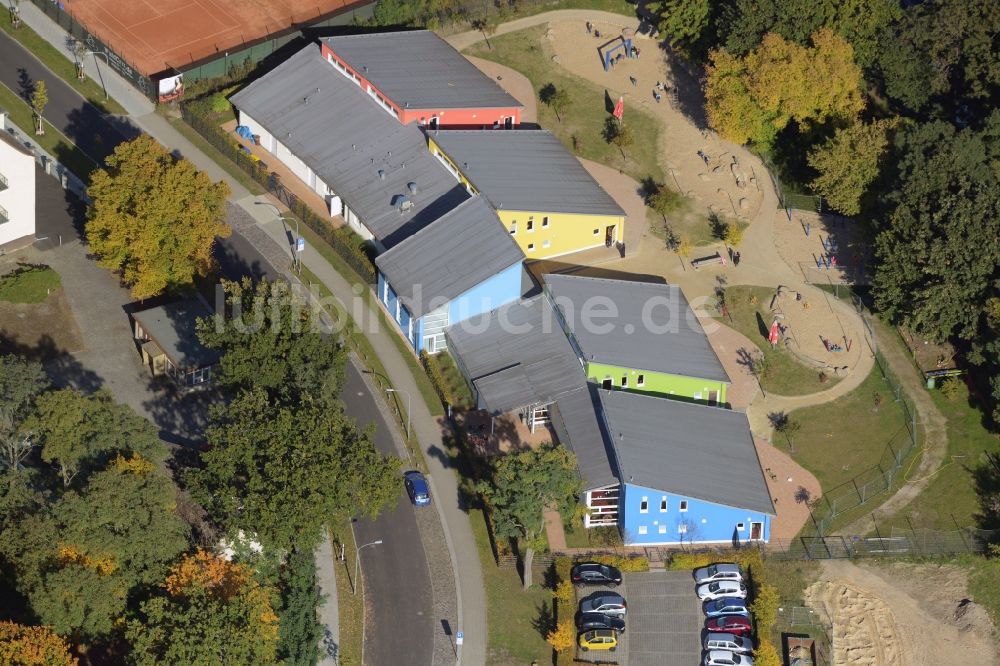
<point>598,639</point>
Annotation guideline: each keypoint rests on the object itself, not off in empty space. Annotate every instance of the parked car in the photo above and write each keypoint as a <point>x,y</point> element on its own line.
<point>726,658</point>
<point>726,606</point>
<point>417,489</point>
<point>731,642</point>
<point>722,588</point>
<point>588,621</point>
<point>592,573</point>
<point>607,603</point>
<point>598,639</point>
<point>721,571</point>
<point>729,624</point>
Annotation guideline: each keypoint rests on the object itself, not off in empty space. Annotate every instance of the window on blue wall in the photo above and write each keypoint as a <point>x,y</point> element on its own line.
<point>644,505</point>
<point>682,528</point>
<point>662,529</point>
<point>663,505</point>
<point>642,529</point>
<point>741,526</point>
<point>683,506</point>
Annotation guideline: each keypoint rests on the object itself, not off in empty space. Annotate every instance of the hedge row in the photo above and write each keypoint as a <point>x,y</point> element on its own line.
<point>437,378</point>
<point>349,245</point>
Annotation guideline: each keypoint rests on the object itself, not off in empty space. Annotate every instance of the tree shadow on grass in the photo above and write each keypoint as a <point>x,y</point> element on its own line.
<point>545,622</point>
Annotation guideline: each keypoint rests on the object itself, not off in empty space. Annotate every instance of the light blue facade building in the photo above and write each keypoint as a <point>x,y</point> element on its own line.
<point>462,265</point>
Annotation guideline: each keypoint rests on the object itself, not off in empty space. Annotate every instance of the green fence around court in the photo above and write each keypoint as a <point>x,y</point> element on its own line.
<point>347,244</point>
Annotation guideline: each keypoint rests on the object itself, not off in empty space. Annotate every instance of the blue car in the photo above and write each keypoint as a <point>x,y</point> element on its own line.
<point>416,488</point>
<point>726,606</point>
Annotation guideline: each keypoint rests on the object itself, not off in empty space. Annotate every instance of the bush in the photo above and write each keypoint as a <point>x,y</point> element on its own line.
<point>951,388</point>
<point>746,558</point>
<point>766,654</point>
<point>626,564</point>
<point>437,377</point>
<point>218,103</point>
<point>564,593</point>
<point>564,637</point>
<point>563,566</point>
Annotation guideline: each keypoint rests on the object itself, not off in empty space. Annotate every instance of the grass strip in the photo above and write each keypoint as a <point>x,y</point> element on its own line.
<point>53,141</point>
<point>350,607</point>
<point>28,284</point>
<point>60,64</point>
<point>227,165</point>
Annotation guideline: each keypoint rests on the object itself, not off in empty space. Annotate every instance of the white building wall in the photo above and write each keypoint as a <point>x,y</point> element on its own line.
<point>17,196</point>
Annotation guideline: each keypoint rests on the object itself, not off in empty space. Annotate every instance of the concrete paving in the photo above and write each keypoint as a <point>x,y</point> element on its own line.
<point>664,620</point>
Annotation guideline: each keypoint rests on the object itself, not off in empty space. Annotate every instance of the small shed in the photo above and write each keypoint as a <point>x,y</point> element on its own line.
<point>168,341</point>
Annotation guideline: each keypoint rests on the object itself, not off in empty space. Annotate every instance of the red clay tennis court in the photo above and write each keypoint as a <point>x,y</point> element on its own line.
<point>154,36</point>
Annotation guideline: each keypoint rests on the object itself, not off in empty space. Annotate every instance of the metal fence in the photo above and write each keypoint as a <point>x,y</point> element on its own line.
<point>877,479</point>
<point>899,542</point>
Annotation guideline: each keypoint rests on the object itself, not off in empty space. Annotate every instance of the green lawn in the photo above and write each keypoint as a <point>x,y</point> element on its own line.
<point>583,117</point>
<point>52,141</point>
<point>227,165</point>
<point>350,607</point>
<point>785,375</point>
<point>984,581</point>
<point>950,498</point>
<point>28,284</point>
<point>513,614</point>
<point>60,64</point>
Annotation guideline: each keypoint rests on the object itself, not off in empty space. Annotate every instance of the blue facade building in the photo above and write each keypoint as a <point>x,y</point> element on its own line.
<point>461,265</point>
<point>687,473</point>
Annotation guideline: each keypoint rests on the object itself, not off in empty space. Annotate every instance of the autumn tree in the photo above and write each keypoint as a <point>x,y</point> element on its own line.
<point>78,562</point>
<point>751,99</point>
<point>210,611</point>
<point>279,472</point>
<point>79,431</point>
<point>563,637</point>
<point>154,218</point>
<point>849,162</point>
<point>270,339</point>
<point>39,100</point>
<point>28,645</point>
<point>522,485</point>
<point>665,201</point>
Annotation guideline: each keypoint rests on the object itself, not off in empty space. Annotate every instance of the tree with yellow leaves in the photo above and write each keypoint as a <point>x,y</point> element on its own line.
<point>849,163</point>
<point>751,99</point>
<point>155,218</point>
<point>211,611</point>
<point>28,645</point>
<point>563,637</point>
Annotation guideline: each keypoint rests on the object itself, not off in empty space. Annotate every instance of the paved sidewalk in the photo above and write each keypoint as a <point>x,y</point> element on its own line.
<point>326,580</point>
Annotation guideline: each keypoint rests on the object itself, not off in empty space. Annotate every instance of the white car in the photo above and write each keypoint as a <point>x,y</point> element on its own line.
<point>728,642</point>
<point>722,571</point>
<point>722,588</point>
<point>726,658</point>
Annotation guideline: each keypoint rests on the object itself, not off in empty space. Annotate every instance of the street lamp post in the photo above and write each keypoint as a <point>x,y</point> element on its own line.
<point>357,562</point>
<point>408,403</point>
<point>98,66</point>
<point>298,237</point>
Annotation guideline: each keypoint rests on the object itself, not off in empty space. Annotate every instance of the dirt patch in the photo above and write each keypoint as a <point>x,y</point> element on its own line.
<point>40,331</point>
<point>901,615</point>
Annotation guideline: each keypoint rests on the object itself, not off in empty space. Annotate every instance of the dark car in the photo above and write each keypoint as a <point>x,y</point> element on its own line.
<point>416,488</point>
<point>729,624</point>
<point>588,621</point>
<point>592,573</point>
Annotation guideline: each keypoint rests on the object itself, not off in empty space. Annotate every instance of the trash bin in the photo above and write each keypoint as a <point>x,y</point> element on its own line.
<point>932,382</point>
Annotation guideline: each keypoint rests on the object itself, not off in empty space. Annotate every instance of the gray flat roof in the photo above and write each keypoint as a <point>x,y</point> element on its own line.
<point>694,450</point>
<point>526,170</point>
<point>418,68</point>
<point>450,256</point>
<point>173,327</point>
<point>516,355</point>
<point>665,333</point>
<point>575,418</point>
<point>346,138</point>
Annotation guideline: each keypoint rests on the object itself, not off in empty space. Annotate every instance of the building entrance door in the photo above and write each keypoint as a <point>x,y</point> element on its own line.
<point>610,235</point>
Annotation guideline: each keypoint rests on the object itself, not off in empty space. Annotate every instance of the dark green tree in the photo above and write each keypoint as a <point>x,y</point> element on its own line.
<point>271,339</point>
<point>683,22</point>
<point>279,472</point>
<point>21,381</point>
<point>939,259</point>
<point>299,631</point>
<point>522,486</point>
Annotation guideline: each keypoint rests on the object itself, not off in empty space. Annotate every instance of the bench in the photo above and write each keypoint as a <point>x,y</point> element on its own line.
<point>711,259</point>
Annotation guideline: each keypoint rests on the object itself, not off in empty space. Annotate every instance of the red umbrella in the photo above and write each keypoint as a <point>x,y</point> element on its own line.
<point>773,337</point>
<point>619,108</point>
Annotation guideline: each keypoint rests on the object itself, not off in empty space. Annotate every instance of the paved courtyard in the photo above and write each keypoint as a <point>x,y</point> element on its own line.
<point>663,625</point>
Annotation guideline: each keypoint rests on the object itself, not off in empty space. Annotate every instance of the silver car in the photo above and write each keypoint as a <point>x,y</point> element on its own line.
<point>607,603</point>
<point>730,642</point>
<point>721,571</point>
<point>721,588</point>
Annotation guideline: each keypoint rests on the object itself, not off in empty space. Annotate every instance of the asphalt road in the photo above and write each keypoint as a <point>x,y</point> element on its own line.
<point>400,621</point>
<point>79,120</point>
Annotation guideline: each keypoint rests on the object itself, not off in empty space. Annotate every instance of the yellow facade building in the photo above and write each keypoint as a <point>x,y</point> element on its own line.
<point>547,201</point>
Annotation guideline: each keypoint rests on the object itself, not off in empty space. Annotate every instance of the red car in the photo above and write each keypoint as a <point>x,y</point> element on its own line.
<point>729,624</point>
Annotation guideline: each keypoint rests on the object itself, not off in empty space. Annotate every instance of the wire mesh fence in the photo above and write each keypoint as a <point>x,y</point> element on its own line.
<point>900,542</point>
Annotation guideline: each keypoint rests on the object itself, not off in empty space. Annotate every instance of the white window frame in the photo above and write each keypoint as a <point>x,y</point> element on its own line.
<point>529,226</point>
<point>597,232</point>
<point>513,228</point>
<point>642,529</point>
<point>662,529</point>
<point>624,381</point>
<point>741,527</point>
<point>644,505</point>
<point>640,381</point>
<point>683,506</point>
<point>545,222</point>
<point>531,247</point>
<point>663,505</point>
<point>682,528</point>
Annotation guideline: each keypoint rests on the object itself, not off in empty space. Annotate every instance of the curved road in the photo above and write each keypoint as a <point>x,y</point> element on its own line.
<point>397,584</point>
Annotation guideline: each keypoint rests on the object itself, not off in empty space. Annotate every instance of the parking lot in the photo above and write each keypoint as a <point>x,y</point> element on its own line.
<point>663,624</point>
